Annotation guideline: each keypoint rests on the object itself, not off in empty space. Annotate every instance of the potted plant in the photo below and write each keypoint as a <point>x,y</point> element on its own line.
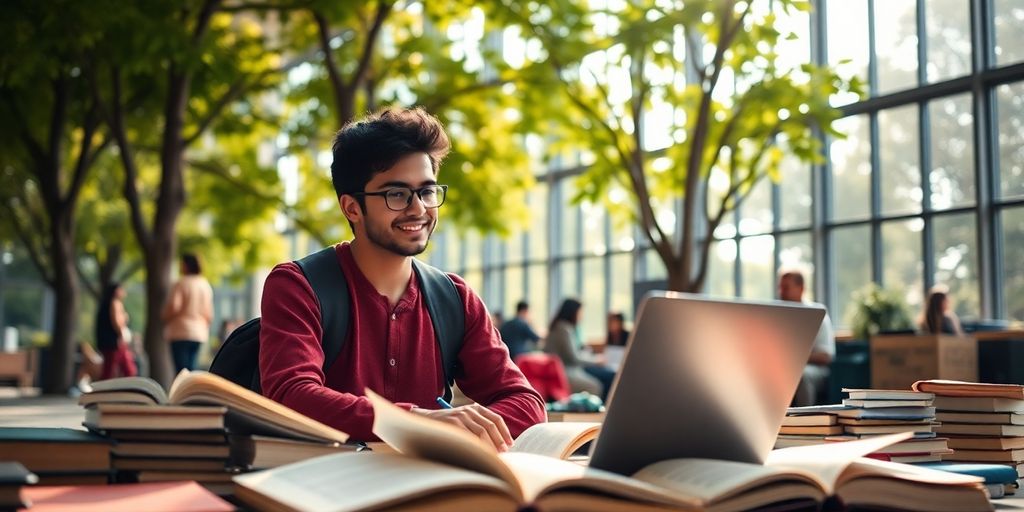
<point>876,310</point>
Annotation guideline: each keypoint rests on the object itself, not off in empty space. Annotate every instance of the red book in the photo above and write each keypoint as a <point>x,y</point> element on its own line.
<point>154,497</point>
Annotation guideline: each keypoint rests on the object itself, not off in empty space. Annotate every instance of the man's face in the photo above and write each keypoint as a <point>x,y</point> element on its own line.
<point>407,232</point>
<point>789,290</point>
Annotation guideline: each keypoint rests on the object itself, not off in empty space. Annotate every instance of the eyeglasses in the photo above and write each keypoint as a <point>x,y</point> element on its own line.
<point>399,198</point>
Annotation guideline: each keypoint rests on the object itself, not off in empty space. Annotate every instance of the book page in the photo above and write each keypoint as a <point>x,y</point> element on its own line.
<point>864,466</point>
<point>712,480</point>
<point>362,481</point>
<point>207,388</point>
<point>142,385</point>
<point>827,461</point>
<point>558,440</point>
<point>436,441</point>
<point>540,475</point>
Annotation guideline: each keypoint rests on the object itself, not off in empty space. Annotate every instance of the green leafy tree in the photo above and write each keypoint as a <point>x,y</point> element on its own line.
<point>706,74</point>
<point>381,53</point>
<point>169,72</point>
<point>48,143</point>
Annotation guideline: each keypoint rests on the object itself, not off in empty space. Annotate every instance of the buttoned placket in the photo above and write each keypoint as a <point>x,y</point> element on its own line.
<point>393,343</point>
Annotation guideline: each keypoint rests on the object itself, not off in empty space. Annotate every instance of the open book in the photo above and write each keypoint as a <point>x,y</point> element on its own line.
<point>247,412</point>
<point>443,467</point>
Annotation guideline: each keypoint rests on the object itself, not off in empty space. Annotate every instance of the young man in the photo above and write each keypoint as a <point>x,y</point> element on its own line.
<point>791,288</point>
<point>385,175</point>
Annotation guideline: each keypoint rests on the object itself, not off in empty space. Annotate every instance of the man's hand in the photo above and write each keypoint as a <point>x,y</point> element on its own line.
<point>479,420</point>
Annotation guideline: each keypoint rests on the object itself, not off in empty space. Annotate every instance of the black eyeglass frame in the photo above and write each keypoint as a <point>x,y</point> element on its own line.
<point>408,201</point>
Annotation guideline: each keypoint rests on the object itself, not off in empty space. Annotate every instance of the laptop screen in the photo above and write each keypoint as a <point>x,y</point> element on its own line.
<point>705,378</point>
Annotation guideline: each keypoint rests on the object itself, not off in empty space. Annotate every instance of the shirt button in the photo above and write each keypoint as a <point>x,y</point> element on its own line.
<point>392,362</point>
<point>393,316</point>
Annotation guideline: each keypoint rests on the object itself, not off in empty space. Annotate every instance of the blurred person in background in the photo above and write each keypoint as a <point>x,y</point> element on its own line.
<point>188,313</point>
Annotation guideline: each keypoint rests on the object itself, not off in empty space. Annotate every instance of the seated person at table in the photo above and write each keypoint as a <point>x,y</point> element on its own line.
<point>791,288</point>
<point>938,316</point>
<point>564,341</point>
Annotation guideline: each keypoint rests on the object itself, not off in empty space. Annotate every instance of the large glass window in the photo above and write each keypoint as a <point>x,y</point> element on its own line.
<point>1010,104</point>
<point>1013,262</point>
<point>621,284</point>
<point>539,285</point>
<point>948,25</point>
<point>896,44</point>
<point>795,198</point>
<point>1009,18</point>
<point>952,152</point>
<point>848,44</point>
<point>851,249</point>
<point>851,168</point>
<point>796,253</point>
<point>514,291</point>
<point>568,282</point>
<point>722,268</point>
<point>539,219</point>
<point>955,261</point>
<point>756,210</point>
<point>757,261</point>
<point>900,167</point>
<point>902,263</point>
<point>568,227</point>
<point>594,291</point>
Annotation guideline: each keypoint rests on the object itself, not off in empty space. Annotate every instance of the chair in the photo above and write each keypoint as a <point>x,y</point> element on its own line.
<point>546,374</point>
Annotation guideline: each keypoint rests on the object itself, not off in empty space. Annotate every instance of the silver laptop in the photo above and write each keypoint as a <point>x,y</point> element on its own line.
<point>704,378</point>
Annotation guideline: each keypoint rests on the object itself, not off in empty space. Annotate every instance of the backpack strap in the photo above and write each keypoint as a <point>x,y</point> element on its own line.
<point>323,272</point>
<point>447,314</point>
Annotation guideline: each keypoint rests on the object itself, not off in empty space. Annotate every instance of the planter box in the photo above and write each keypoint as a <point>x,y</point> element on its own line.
<point>18,367</point>
<point>899,360</point>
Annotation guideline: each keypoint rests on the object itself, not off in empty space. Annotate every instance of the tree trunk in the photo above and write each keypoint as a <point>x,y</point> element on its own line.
<point>65,287</point>
<point>158,278</point>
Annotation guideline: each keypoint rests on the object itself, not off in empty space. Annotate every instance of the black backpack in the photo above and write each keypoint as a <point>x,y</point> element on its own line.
<point>238,357</point>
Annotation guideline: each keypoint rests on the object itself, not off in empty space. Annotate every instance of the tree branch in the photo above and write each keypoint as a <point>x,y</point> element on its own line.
<point>383,10</point>
<point>35,150</point>
<point>246,187</point>
<point>131,192</point>
<point>333,74</point>
<point>35,254</point>
<point>85,156</point>
<point>234,91</point>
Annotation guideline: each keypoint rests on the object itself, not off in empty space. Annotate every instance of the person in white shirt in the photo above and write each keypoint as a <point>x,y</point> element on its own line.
<point>791,288</point>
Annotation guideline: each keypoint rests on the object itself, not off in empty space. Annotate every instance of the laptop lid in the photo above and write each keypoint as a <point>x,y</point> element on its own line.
<point>706,378</point>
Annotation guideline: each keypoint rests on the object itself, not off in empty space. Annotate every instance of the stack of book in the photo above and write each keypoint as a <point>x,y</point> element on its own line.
<point>804,426</point>
<point>867,413</point>
<point>873,412</point>
<point>58,456</point>
<point>206,429</point>
<point>984,422</point>
<point>14,476</point>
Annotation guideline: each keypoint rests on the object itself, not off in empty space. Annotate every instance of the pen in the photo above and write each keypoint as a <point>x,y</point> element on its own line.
<point>443,403</point>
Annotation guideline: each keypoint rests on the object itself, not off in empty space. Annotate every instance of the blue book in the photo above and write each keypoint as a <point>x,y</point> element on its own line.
<point>992,473</point>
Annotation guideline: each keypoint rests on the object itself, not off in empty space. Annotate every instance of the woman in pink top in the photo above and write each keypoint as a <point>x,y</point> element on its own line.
<point>188,314</point>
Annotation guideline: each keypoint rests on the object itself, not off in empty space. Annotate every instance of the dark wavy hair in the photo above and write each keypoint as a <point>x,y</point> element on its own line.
<point>375,143</point>
<point>568,311</point>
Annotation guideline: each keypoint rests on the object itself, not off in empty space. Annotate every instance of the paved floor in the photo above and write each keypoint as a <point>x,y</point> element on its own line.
<point>26,408</point>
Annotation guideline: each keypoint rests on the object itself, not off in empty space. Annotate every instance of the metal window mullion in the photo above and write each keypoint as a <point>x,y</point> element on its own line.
<point>986,161</point>
<point>821,179</point>
<point>925,157</point>
<point>876,203</point>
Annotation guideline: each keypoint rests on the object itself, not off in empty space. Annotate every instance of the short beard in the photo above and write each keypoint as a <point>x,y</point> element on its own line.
<point>382,238</point>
